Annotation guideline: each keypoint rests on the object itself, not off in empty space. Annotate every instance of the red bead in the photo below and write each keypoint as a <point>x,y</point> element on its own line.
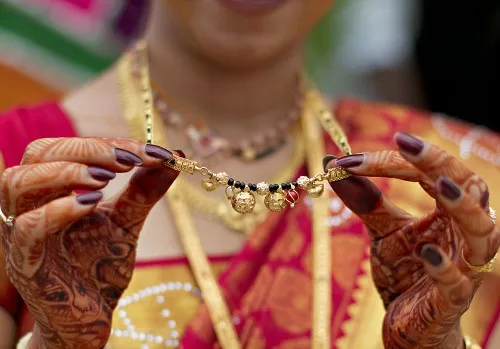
<point>292,196</point>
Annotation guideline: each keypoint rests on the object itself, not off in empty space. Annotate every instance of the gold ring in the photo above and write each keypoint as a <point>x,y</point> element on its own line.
<point>470,343</point>
<point>485,268</point>
<point>492,213</point>
<point>9,221</point>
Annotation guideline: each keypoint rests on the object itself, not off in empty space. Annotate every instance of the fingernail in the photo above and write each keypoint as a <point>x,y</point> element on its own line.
<point>351,160</point>
<point>127,158</point>
<point>409,144</point>
<point>431,255</point>
<point>485,199</point>
<point>158,152</point>
<point>448,189</point>
<point>180,152</point>
<point>91,198</point>
<point>101,174</point>
<point>326,161</point>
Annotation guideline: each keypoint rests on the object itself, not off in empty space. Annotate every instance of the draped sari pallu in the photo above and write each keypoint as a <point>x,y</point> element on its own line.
<point>268,283</point>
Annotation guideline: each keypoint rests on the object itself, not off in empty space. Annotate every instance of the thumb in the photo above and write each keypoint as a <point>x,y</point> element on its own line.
<point>146,187</point>
<point>366,200</point>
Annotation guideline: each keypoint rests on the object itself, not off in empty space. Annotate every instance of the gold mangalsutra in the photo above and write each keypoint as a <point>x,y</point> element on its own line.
<point>242,195</point>
<point>321,274</point>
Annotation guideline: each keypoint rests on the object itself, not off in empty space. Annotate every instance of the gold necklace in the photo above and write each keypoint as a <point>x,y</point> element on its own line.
<point>204,143</point>
<point>218,310</point>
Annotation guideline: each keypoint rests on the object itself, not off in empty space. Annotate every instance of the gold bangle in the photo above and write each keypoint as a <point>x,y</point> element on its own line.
<point>470,343</point>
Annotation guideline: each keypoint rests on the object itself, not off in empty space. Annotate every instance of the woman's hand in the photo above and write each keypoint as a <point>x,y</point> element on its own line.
<point>72,256</point>
<point>418,263</point>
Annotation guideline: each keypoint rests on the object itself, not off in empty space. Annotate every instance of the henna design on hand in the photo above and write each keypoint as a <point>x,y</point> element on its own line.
<point>71,257</point>
<point>416,261</point>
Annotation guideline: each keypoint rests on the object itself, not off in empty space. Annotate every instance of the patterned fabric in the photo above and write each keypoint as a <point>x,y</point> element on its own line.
<point>268,283</point>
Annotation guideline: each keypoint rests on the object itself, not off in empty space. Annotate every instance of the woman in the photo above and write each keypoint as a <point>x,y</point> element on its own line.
<point>232,67</point>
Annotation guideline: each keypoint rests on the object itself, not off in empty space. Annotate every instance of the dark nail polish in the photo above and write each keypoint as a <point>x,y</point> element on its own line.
<point>180,153</point>
<point>485,199</point>
<point>91,198</point>
<point>326,161</point>
<point>127,158</point>
<point>351,160</point>
<point>431,255</point>
<point>158,152</point>
<point>101,174</point>
<point>448,189</point>
<point>409,144</point>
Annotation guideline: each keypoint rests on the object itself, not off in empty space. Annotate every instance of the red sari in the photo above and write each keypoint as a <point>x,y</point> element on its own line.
<point>268,283</point>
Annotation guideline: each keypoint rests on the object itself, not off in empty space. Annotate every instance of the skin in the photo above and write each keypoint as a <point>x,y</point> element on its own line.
<point>424,300</point>
<point>71,261</point>
<point>236,72</point>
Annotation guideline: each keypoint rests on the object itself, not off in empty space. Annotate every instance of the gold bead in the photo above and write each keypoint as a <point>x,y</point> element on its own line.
<point>221,178</point>
<point>304,182</point>
<point>337,174</point>
<point>276,201</point>
<point>243,202</point>
<point>181,164</point>
<point>262,188</point>
<point>316,190</point>
<point>208,184</point>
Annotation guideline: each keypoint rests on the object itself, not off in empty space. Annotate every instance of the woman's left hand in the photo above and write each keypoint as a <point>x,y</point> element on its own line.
<point>421,266</point>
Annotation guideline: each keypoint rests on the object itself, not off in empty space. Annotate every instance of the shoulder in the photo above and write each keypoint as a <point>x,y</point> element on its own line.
<point>378,122</point>
<point>22,125</point>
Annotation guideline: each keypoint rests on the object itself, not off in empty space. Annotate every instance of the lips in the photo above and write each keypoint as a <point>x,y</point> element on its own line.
<point>252,6</point>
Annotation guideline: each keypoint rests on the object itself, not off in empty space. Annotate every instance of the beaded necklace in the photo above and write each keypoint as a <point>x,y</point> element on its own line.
<point>205,144</point>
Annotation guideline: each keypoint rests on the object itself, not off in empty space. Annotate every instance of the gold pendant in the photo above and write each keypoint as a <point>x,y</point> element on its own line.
<point>276,201</point>
<point>243,202</point>
<point>316,190</point>
<point>208,184</point>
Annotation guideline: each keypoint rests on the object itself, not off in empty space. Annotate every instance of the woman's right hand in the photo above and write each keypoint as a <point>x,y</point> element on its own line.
<point>72,256</point>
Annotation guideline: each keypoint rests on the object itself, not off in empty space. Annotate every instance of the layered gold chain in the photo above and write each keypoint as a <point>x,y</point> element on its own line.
<point>141,119</point>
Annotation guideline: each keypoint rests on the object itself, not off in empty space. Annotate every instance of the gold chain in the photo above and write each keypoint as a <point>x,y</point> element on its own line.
<point>218,310</point>
<point>214,300</point>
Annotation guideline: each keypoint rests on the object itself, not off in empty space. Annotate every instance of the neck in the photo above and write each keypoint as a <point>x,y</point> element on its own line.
<point>230,101</point>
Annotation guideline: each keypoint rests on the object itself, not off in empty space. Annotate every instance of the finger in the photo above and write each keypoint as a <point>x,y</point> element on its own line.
<point>33,228</point>
<point>366,200</point>
<point>431,160</point>
<point>118,155</point>
<point>476,226</point>
<point>387,163</point>
<point>24,188</point>
<point>455,288</point>
<point>151,154</point>
<point>148,185</point>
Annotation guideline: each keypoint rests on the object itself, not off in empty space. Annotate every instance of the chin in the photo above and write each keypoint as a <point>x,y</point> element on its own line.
<point>244,53</point>
<point>244,33</point>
